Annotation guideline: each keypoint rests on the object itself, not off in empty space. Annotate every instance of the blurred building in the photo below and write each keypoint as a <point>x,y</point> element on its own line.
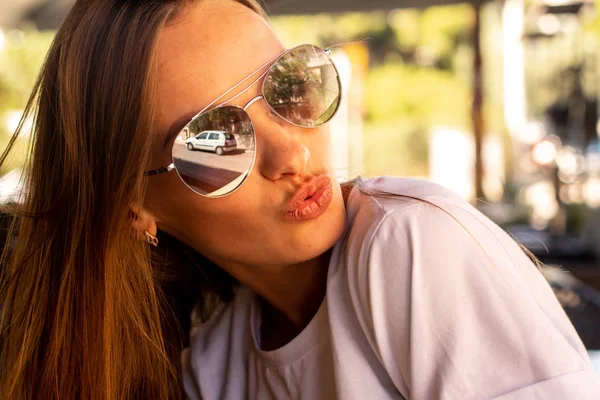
<point>552,113</point>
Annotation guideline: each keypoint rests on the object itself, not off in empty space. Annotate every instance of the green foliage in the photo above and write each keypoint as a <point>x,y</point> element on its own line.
<point>407,24</point>
<point>426,96</point>
<point>438,29</point>
<point>398,147</point>
<point>21,56</point>
<point>328,29</point>
<point>592,24</point>
<point>20,62</point>
<point>403,104</point>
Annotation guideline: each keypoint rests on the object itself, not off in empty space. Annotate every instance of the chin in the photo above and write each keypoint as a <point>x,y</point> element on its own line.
<point>320,235</point>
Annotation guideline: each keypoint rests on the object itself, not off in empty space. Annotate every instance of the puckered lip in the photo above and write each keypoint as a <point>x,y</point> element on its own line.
<point>318,189</point>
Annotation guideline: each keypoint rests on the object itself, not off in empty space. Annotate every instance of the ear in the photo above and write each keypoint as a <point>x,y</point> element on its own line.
<point>142,221</point>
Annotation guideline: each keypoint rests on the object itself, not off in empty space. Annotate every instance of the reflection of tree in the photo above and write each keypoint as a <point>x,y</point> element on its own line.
<point>229,119</point>
<point>302,87</point>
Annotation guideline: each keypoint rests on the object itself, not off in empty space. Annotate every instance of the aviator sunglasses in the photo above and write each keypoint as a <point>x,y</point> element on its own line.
<point>214,153</point>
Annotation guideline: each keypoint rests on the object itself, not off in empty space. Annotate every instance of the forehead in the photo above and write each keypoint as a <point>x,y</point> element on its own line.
<point>212,46</point>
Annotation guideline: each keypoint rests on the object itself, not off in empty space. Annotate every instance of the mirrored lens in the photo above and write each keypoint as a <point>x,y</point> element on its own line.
<point>303,87</point>
<point>215,152</point>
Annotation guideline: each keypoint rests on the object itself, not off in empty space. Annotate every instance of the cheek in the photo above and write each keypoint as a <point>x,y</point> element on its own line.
<point>319,144</point>
<point>196,220</point>
<point>173,204</point>
<point>245,225</point>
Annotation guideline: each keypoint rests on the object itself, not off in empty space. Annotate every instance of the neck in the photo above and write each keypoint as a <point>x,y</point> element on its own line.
<point>293,292</point>
<point>290,295</point>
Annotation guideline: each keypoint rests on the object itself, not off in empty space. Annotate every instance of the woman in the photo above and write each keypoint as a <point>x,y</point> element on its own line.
<point>138,246</point>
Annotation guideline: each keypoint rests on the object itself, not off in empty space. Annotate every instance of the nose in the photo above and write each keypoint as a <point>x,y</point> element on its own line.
<point>280,152</point>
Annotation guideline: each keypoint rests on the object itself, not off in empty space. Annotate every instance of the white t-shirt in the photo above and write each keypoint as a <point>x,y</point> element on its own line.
<point>426,299</point>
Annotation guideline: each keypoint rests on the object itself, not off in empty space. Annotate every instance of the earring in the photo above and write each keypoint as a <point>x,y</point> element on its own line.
<point>153,240</point>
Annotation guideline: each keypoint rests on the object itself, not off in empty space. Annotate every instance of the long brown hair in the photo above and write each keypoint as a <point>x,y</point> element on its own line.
<point>86,310</point>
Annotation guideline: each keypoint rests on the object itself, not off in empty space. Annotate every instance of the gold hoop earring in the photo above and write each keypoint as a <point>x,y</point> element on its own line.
<point>153,240</point>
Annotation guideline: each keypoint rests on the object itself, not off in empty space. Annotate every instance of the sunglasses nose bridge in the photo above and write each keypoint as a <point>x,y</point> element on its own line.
<point>254,100</point>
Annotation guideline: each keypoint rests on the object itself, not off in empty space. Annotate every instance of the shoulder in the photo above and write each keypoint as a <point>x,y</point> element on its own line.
<point>399,229</point>
<point>445,296</point>
<point>419,188</point>
<point>413,236</point>
<point>398,206</point>
<point>389,198</point>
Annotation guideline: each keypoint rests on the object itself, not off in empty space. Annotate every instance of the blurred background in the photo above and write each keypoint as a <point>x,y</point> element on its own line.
<point>497,100</point>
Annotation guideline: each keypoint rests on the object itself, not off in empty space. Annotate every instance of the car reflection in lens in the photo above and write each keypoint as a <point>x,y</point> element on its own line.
<point>216,141</point>
<point>209,171</point>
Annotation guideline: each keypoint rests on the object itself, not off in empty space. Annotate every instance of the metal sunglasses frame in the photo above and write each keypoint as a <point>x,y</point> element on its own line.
<point>270,63</point>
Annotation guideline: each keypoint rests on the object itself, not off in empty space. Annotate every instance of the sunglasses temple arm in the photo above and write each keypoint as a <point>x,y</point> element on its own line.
<point>241,82</point>
<point>327,51</point>
<point>243,91</point>
<point>159,171</point>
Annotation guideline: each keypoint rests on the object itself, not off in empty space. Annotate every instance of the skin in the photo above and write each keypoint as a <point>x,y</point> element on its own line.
<point>213,46</point>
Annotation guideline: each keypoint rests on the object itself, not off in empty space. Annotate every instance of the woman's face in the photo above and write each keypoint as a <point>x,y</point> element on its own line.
<point>213,46</point>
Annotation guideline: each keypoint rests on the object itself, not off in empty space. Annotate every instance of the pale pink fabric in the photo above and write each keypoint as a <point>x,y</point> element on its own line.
<point>426,299</point>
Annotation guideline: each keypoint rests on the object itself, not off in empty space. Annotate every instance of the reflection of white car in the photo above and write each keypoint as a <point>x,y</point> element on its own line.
<point>217,141</point>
